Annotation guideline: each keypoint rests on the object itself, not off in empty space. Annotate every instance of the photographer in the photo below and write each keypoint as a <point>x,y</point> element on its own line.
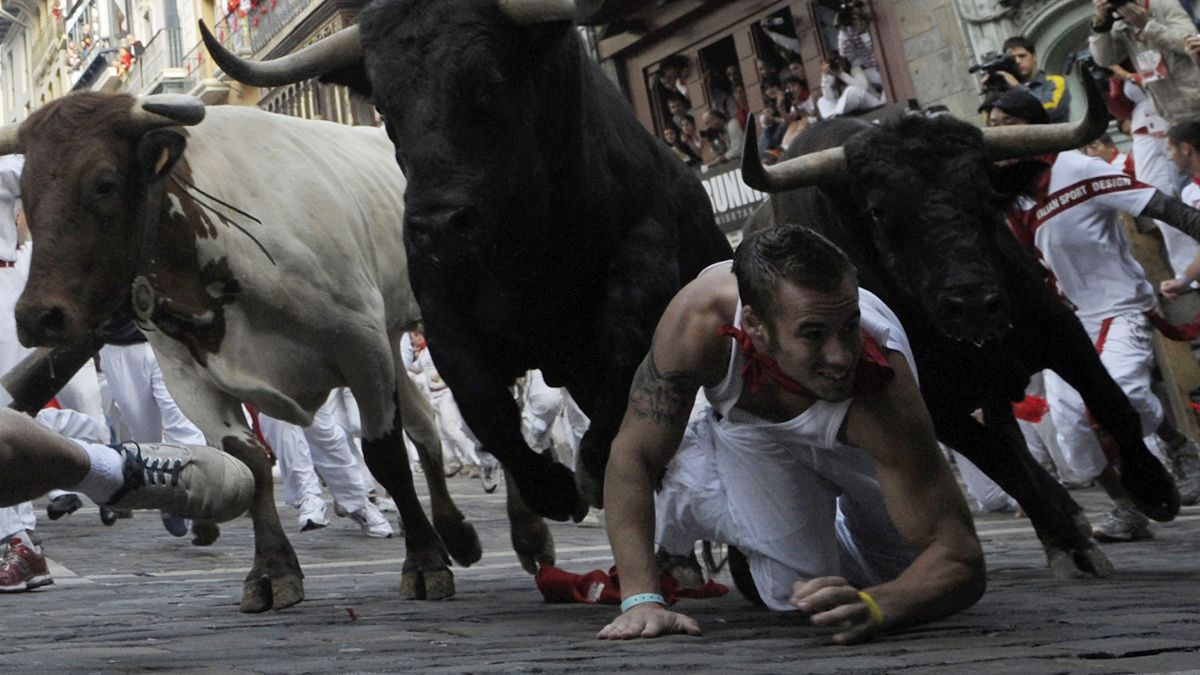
<point>1154,35</point>
<point>844,89</point>
<point>1019,68</point>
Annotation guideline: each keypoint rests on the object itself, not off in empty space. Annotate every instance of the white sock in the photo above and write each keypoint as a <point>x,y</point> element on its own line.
<point>105,474</point>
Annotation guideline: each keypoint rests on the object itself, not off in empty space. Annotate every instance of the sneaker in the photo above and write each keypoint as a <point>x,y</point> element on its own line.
<point>193,481</point>
<point>23,569</point>
<point>312,513</point>
<point>63,505</point>
<point>386,505</point>
<point>488,476</point>
<point>175,524</point>
<point>339,510</point>
<point>372,522</point>
<point>1078,484</point>
<point>594,518</point>
<point>1123,524</point>
<point>1185,464</point>
<point>472,471</point>
<point>453,469</point>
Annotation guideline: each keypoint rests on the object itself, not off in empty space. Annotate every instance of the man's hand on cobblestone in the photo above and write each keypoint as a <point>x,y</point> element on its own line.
<point>646,621</point>
<point>831,601</point>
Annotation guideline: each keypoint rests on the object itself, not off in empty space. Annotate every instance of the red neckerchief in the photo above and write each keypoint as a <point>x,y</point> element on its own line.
<point>1196,180</point>
<point>873,370</point>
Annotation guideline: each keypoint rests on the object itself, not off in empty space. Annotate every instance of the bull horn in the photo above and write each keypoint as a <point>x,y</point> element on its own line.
<point>1028,140</point>
<point>166,110</point>
<point>528,12</point>
<point>9,143</point>
<point>340,50</point>
<point>811,169</point>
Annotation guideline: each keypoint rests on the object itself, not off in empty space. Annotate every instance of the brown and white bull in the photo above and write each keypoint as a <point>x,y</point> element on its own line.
<point>262,256</point>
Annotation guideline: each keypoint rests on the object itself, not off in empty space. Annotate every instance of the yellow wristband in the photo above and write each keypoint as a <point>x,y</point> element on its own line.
<point>872,606</point>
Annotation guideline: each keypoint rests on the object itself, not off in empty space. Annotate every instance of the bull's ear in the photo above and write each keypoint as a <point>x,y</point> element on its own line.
<point>159,150</point>
<point>1016,177</point>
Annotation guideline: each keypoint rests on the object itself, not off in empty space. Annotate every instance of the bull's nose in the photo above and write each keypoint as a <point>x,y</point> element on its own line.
<point>973,313</point>
<point>38,326</point>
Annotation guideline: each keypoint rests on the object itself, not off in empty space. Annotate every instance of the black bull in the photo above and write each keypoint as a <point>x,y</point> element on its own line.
<point>545,227</point>
<point>914,206</point>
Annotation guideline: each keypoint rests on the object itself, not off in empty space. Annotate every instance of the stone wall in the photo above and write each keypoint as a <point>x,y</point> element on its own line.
<point>938,55</point>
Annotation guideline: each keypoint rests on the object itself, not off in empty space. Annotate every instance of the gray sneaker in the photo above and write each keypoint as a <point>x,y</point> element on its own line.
<point>1123,524</point>
<point>190,481</point>
<point>1185,464</point>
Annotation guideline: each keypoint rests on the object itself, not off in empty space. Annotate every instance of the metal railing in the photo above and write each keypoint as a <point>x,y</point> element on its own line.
<point>193,66</point>
<point>162,52</point>
<point>249,34</point>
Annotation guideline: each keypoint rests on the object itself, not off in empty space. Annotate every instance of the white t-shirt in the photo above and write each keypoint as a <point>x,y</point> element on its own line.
<point>1191,193</point>
<point>1072,220</point>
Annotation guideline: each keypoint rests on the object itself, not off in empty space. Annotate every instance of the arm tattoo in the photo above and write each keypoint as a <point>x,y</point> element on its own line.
<point>661,398</point>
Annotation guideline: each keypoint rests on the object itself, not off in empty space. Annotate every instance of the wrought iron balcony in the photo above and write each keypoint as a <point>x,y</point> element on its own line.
<point>161,60</point>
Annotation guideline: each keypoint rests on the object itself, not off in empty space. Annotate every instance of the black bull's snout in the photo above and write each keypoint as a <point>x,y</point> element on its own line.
<point>973,313</point>
<point>41,324</point>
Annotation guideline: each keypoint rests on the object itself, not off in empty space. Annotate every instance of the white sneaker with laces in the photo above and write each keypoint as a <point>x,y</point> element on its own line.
<point>1123,524</point>
<point>372,522</point>
<point>312,513</point>
<point>1185,464</point>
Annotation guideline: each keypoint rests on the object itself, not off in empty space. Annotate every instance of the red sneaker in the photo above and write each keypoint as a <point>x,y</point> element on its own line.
<point>23,569</point>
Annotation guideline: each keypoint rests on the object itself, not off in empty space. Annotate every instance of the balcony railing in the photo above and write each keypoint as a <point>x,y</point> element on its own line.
<point>249,34</point>
<point>193,66</point>
<point>162,52</point>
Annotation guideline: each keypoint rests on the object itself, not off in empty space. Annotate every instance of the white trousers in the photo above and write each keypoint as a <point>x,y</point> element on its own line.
<point>147,411</point>
<point>796,511</point>
<point>457,447</point>
<point>322,449</point>
<point>1128,355</point>
<point>539,410</point>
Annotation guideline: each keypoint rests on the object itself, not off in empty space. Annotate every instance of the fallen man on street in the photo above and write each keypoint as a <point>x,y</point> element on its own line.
<point>817,458</point>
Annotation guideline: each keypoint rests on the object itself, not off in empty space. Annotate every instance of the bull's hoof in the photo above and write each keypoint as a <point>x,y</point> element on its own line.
<point>1083,563</point>
<point>262,592</point>
<point>205,534</point>
<point>549,491</point>
<point>427,585</point>
<point>1151,488</point>
<point>534,545</point>
<point>460,539</point>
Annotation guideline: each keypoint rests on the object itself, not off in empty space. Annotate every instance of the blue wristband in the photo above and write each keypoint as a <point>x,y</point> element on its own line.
<point>640,599</point>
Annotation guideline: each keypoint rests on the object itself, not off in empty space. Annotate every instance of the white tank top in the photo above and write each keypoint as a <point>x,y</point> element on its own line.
<point>820,423</point>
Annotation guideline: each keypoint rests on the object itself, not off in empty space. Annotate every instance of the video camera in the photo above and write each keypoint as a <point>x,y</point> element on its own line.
<point>994,64</point>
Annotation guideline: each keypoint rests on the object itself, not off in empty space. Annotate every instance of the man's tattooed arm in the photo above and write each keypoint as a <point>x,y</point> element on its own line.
<point>661,398</point>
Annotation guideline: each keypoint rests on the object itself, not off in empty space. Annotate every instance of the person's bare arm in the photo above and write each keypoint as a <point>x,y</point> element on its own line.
<point>660,401</point>
<point>924,501</point>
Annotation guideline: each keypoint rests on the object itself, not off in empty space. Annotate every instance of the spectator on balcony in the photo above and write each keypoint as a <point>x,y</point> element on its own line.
<point>73,58</point>
<point>670,136</point>
<point>123,62</point>
<point>743,105</point>
<point>689,133</point>
<point>678,108</point>
<point>724,135</point>
<point>845,89</point>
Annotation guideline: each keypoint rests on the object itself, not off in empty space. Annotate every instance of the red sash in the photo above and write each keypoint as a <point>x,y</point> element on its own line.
<point>873,370</point>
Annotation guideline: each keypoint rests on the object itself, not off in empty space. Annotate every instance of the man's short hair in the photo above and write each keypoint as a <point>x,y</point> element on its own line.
<point>1018,102</point>
<point>1185,132</point>
<point>787,252</point>
<point>1020,41</point>
<point>771,81</point>
<point>792,78</point>
<point>1105,139</point>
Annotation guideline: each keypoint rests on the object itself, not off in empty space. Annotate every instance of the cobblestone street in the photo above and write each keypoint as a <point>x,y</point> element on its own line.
<point>131,597</point>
